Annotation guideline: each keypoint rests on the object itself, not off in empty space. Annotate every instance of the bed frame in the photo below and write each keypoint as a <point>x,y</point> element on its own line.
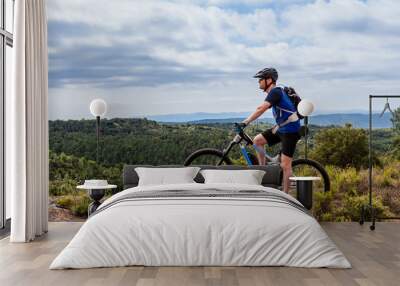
<point>272,177</point>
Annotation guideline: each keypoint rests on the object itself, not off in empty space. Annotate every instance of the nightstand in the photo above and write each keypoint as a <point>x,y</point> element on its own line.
<point>304,188</point>
<point>96,190</point>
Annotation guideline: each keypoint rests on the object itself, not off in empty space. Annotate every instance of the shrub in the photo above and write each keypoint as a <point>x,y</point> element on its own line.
<point>388,176</point>
<point>341,146</point>
<point>61,187</point>
<point>347,181</point>
<point>352,206</point>
<point>322,206</point>
<point>80,208</point>
<point>65,202</point>
<point>68,171</point>
<point>391,198</point>
<point>343,202</point>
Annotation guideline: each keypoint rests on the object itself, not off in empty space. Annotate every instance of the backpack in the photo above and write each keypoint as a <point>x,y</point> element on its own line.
<point>294,98</point>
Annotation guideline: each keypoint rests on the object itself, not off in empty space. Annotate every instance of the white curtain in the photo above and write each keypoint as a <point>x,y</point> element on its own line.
<point>27,122</point>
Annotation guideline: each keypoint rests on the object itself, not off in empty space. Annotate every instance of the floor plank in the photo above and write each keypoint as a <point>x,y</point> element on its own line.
<point>375,257</point>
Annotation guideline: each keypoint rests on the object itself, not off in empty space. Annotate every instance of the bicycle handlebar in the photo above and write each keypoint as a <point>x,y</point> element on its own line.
<point>239,127</point>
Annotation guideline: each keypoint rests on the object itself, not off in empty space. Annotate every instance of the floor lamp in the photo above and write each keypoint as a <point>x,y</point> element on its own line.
<point>305,108</point>
<point>369,206</point>
<point>98,107</point>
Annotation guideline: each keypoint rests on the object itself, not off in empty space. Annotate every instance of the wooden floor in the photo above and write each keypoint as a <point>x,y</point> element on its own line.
<point>375,257</point>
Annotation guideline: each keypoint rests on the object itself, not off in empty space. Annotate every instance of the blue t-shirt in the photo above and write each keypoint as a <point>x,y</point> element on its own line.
<point>277,97</point>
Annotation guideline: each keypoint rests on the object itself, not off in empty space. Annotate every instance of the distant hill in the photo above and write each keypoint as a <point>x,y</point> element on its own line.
<point>187,117</point>
<point>358,120</point>
<point>227,120</point>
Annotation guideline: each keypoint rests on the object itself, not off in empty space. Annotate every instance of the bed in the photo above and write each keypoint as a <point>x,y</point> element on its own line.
<point>197,224</point>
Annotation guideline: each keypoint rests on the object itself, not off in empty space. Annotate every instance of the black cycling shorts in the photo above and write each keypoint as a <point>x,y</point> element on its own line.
<point>289,140</point>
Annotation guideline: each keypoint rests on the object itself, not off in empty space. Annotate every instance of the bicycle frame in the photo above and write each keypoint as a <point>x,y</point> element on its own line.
<point>237,140</point>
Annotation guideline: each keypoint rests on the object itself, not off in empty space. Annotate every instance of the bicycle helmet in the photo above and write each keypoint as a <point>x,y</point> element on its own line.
<point>267,73</point>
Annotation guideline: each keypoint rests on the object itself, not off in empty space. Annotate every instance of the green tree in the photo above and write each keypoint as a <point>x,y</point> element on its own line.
<point>341,146</point>
<point>68,171</point>
<point>395,150</point>
<point>396,120</point>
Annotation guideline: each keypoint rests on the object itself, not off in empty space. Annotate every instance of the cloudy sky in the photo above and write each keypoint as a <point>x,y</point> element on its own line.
<point>162,57</point>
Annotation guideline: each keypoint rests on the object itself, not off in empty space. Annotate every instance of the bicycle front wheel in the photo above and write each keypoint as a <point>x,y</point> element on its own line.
<point>207,156</point>
<point>307,167</point>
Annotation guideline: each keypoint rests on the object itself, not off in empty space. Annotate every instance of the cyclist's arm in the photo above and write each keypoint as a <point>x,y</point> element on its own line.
<point>259,111</point>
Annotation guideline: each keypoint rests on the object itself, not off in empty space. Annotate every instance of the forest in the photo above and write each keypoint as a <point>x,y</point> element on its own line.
<point>343,150</point>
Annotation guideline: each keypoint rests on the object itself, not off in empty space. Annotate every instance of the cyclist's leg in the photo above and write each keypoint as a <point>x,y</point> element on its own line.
<point>289,141</point>
<point>266,137</point>
<point>260,141</point>
<point>286,165</point>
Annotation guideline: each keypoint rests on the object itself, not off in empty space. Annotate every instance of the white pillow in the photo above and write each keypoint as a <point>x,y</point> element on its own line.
<point>249,177</point>
<point>162,176</point>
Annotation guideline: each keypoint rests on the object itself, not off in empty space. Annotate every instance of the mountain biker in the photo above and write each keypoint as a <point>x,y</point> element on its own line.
<point>287,125</point>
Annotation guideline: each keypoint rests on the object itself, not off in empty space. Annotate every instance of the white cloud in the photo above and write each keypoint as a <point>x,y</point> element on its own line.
<point>341,47</point>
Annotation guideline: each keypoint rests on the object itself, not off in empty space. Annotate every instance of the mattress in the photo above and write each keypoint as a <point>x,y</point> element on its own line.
<point>201,225</point>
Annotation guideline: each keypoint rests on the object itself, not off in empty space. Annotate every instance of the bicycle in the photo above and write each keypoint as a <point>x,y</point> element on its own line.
<point>211,156</point>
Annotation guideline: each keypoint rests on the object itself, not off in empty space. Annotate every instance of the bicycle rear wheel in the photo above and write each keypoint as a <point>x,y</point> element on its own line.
<point>307,167</point>
<point>207,156</point>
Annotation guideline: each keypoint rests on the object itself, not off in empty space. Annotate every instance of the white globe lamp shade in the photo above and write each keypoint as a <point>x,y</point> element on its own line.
<point>305,107</point>
<point>98,107</point>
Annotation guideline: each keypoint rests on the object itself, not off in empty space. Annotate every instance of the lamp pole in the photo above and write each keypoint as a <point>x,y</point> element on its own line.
<point>98,107</point>
<point>98,137</point>
<point>306,137</point>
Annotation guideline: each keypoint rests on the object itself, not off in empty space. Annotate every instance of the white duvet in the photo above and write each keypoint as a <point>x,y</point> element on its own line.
<point>200,231</point>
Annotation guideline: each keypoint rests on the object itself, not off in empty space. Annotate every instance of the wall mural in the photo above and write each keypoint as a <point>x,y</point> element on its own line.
<point>173,77</point>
